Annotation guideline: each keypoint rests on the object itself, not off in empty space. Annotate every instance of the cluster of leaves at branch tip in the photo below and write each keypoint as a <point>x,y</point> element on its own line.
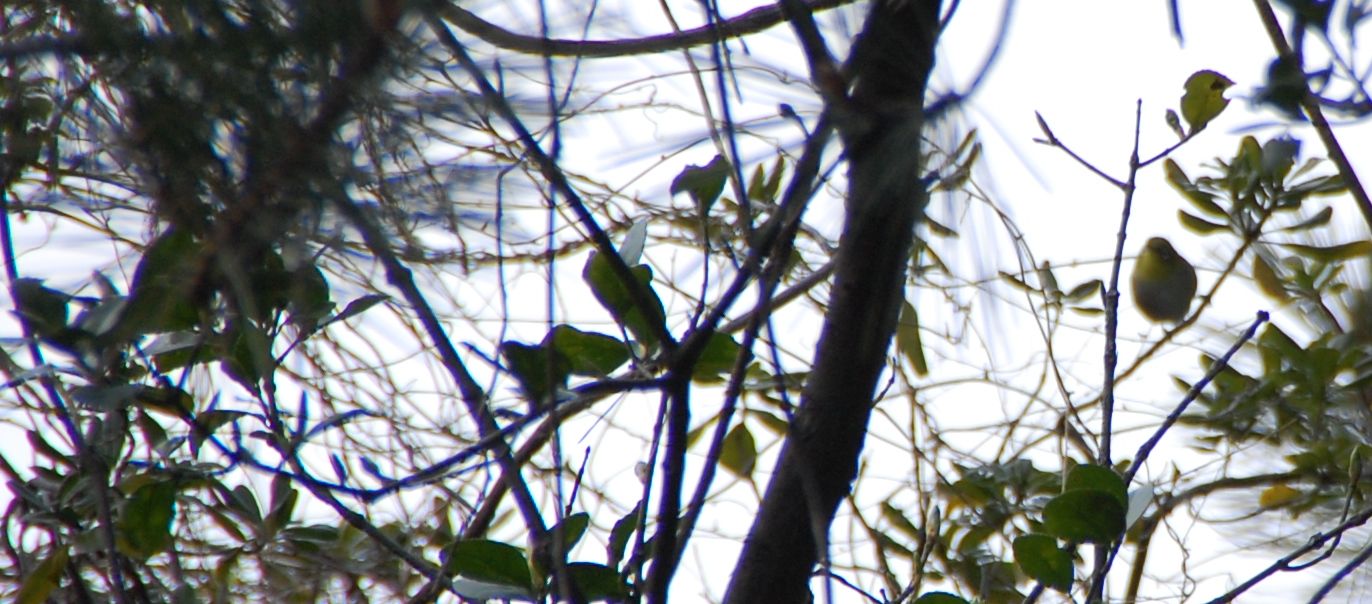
<point>487,569</point>
<point>1088,505</point>
<point>1083,298</point>
<point>1249,193</point>
<point>1301,397</point>
<point>542,370</point>
<point>705,186</point>
<point>1091,509</point>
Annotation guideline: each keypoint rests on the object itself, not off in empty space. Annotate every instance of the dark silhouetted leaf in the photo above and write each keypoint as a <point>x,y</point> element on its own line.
<point>1040,557</point>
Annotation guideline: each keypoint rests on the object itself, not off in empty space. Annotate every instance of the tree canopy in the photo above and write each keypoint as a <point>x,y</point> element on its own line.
<point>430,301</point>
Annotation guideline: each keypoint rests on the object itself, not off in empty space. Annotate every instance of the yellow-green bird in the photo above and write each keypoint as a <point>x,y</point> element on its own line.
<point>1163,282</point>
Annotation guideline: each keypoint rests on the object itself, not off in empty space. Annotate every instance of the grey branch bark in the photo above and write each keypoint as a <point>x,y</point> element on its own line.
<point>881,124</point>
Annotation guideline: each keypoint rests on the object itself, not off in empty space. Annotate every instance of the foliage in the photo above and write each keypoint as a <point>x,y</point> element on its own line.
<point>332,343</point>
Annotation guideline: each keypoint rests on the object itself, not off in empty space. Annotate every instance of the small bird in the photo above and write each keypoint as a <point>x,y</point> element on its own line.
<point>1163,282</point>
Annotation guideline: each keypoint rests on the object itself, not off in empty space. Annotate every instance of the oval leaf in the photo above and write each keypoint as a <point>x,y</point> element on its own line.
<point>1267,279</point>
<point>703,183</point>
<point>739,453</point>
<point>615,297</point>
<point>1089,476</point>
<point>491,562</point>
<point>718,358</point>
<point>597,582</point>
<point>146,520</point>
<point>1040,557</point>
<point>589,353</point>
<point>1084,515</point>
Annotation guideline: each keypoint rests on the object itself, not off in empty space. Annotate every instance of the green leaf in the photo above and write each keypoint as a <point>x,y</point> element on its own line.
<point>694,435</point>
<point>1174,122</point>
<point>1090,476</point>
<point>597,582</point>
<point>1018,283</point>
<point>940,597</point>
<point>1204,98</point>
<point>1320,185</point>
<point>756,183</point>
<point>309,297</point>
<point>614,296</point>
<point>39,581</point>
<point>588,353</point>
<point>241,500</point>
<point>1332,253</point>
<point>1040,557</point>
<point>246,358</point>
<point>718,358</point>
<point>1199,225</point>
<point>937,228</point>
<point>961,173</point>
<point>1267,279</point>
<point>1085,515</point>
<point>159,300</point>
<point>899,521</point>
<point>889,546</point>
<point>533,366</point>
<point>573,527</point>
<point>739,453</point>
<point>271,285</point>
<point>769,421</point>
<point>1203,201</point>
<point>146,519</point>
<point>109,398</point>
<point>283,504</point>
<point>703,183</point>
<point>1085,291</point>
<point>621,533</point>
<point>1320,219</point>
<point>207,422</point>
<point>358,306</point>
<point>908,340</point>
<point>490,561</point>
<point>773,186</point>
<point>44,308</point>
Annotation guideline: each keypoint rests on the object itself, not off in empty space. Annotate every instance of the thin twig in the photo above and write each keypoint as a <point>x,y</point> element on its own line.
<point>1285,562</point>
<point>1219,365</point>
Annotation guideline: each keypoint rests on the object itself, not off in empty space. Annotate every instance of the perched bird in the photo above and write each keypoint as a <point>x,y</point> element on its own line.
<point>1163,282</point>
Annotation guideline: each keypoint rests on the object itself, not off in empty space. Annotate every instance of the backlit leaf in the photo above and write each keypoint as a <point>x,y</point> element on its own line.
<point>1204,98</point>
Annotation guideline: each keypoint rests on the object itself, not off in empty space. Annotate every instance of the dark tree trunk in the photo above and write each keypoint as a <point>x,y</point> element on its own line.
<point>881,124</point>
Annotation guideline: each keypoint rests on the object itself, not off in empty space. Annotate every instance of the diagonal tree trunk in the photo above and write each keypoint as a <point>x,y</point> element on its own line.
<point>881,124</point>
